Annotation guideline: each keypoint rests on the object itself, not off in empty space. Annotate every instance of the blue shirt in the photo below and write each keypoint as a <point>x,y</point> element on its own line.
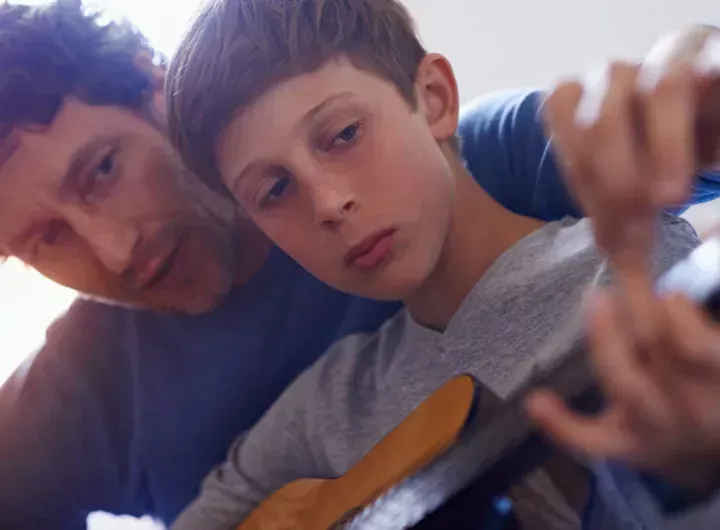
<point>126,411</point>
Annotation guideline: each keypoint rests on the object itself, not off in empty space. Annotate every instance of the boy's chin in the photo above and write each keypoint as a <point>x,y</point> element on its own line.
<point>387,289</point>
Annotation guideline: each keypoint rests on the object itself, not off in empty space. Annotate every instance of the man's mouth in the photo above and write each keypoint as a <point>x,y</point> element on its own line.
<point>165,268</point>
<point>151,273</point>
<point>371,251</point>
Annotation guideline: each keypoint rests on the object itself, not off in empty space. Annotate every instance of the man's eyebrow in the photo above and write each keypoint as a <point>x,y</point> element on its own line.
<point>8,145</point>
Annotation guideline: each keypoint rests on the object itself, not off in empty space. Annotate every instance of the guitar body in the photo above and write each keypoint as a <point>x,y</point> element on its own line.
<point>317,504</point>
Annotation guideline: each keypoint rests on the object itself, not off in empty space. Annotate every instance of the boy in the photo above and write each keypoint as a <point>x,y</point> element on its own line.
<point>304,145</point>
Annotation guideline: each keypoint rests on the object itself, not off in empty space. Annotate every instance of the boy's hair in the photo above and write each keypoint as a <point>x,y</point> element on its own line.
<point>237,49</point>
<point>55,51</point>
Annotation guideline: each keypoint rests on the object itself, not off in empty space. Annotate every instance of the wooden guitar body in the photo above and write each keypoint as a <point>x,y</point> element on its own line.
<point>315,504</point>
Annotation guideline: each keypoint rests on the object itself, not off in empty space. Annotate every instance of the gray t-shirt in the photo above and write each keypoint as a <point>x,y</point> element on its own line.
<point>524,311</point>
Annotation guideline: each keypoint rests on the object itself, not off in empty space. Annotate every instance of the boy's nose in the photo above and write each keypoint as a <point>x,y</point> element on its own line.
<point>332,207</point>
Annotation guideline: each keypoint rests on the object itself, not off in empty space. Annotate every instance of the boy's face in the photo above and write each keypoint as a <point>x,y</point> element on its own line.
<point>349,180</point>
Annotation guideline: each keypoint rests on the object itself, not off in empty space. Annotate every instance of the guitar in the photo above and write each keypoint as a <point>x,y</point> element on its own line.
<point>314,504</point>
<point>461,448</point>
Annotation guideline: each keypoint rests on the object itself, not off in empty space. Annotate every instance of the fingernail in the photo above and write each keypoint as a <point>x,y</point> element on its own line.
<point>649,76</point>
<point>595,85</point>
<point>707,61</point>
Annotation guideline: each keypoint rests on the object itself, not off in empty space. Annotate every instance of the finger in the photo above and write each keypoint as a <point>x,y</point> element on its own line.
<point>568,141</point>
<point>616,138</point>
<point>598,436</point>
<point>707,64</point>
<point>669,109</point>
<point>626,380</point>
<point>695,339</point>
<point>641,312</point>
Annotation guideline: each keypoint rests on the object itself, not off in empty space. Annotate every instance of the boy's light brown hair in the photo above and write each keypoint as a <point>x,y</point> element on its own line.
<point>236,50</point>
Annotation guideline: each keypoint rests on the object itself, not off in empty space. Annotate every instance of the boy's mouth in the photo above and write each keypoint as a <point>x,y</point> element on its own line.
<point>371,251</point>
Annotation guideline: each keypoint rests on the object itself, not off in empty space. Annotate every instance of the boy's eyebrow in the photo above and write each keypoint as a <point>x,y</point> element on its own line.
<point>313,112</point>
<point>309,116</point>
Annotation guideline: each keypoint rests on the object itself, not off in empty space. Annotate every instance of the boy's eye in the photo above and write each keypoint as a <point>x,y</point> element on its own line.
<point>275,192</point>
<point>347,136</point>
<point>105,166</point>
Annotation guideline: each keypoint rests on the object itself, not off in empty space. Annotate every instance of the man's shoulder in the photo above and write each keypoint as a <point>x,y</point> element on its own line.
<point>497,106</point>
<point>80,344</point>
<point>86,319</point>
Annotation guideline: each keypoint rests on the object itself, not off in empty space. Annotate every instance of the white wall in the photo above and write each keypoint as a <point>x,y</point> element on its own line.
<point>504,43</point>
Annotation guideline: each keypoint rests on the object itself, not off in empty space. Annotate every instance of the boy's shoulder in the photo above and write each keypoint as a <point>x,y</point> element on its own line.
<point>570,244</point>
<point>356,362</point>
<point>676,240</point>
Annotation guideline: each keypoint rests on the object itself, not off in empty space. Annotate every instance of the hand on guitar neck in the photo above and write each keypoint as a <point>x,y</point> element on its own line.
<point>657,357</point>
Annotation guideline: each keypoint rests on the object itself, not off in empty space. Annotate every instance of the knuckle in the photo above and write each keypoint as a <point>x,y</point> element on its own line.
<point>622,70</point>
<point>670,85</point>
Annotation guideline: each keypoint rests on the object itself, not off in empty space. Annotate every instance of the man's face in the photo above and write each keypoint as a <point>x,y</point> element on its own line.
<point>99,202</point>
<point>342,174</point>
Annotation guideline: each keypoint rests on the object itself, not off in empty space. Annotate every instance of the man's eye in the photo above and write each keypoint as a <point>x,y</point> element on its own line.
<point>346,136</point>
<point>275,192</point>
<point>100,178</point>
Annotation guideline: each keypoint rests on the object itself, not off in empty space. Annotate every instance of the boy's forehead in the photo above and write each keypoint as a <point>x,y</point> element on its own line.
<point>288,108</point>
<point>294,98</point>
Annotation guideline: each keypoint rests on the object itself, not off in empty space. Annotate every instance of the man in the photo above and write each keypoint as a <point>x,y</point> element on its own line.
<point>125,409</point>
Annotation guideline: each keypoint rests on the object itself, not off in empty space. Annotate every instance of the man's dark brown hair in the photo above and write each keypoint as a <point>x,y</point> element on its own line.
<point>56,51</point>
<point>237,49</point>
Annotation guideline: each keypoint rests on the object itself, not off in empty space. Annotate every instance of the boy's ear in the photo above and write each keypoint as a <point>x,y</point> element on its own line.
<point>438,95</point>
<point>158,106</point>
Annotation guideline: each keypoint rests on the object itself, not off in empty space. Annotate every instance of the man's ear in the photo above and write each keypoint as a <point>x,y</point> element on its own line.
<point>158,106</point>
<point>437,94</point>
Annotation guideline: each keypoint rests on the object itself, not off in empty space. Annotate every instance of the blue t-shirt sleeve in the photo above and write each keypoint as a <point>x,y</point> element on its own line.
<point>506,150</point>
<point>66,436</point>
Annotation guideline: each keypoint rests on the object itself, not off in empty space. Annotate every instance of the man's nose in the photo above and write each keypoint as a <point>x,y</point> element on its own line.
<point>112,242</point>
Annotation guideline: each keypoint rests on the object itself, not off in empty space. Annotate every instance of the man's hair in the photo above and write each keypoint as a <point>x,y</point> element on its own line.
<point>237,49</point>
<point>55,51</point>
